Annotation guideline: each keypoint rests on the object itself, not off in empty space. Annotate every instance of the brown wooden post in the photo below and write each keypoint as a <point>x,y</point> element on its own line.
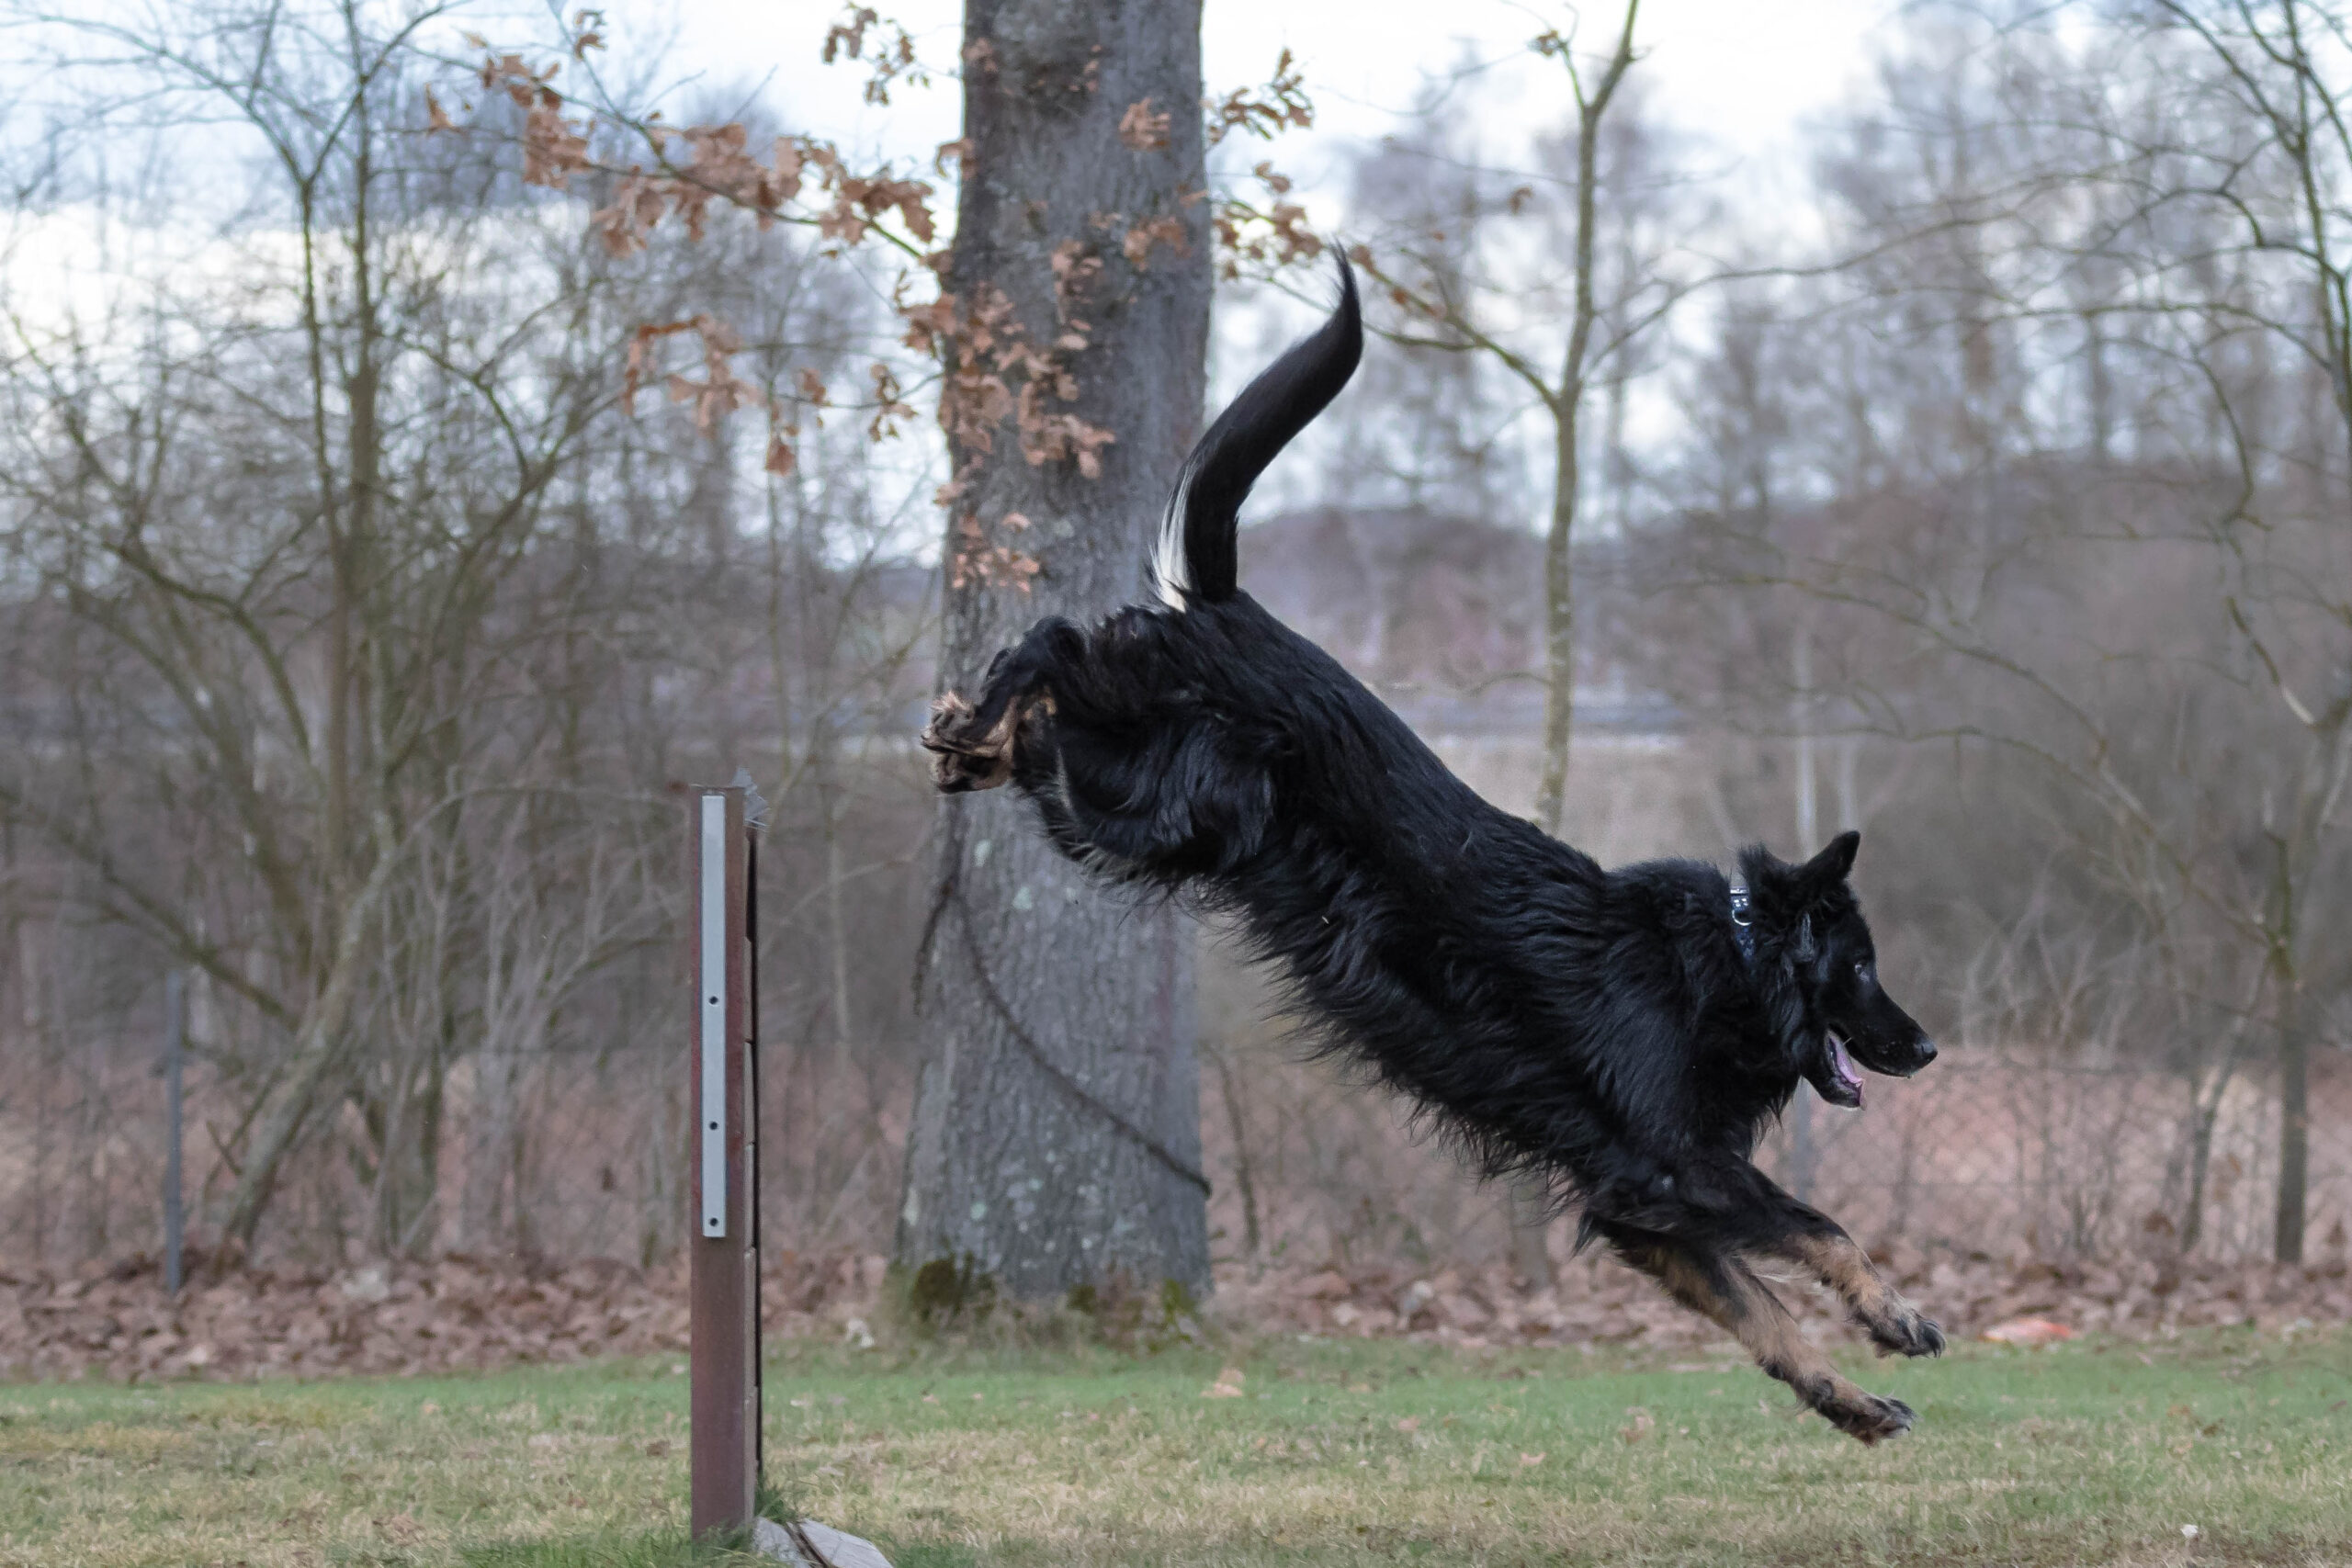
<point>724,1276</point>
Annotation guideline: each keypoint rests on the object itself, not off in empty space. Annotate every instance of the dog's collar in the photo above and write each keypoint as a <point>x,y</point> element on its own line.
<point>1743,924</point>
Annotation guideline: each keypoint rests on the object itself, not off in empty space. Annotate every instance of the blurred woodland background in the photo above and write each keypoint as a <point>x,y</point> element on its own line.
<point>378,553</point>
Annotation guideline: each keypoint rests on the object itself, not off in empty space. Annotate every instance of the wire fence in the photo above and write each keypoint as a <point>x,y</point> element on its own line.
<point>1996,1153</point>
<point>1985,1154</point>
<point>1989,1153</point>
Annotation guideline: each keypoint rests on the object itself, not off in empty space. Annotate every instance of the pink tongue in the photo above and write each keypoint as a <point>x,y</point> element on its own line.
<point>1843,1065</point>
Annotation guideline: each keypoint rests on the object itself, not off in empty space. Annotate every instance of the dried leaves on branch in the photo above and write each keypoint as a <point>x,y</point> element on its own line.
<point>1263,237</point>
<point>893,59</point>
<point>993,367</point>
<point>1264,111</point>
<point>1260,240</point>
<point>680,171</point>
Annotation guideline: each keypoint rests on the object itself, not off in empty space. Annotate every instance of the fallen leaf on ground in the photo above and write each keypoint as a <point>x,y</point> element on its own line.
<point>2027,1331</point>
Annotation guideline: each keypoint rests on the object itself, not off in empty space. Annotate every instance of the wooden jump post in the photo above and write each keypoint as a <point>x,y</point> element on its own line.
<point>724,1272</point>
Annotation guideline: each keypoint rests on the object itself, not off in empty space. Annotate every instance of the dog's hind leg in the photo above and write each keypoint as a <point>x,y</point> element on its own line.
<point>972,742</point>
<point>1721,1287</point>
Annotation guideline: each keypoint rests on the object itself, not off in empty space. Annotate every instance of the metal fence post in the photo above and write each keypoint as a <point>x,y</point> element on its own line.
<point>724,1264</point>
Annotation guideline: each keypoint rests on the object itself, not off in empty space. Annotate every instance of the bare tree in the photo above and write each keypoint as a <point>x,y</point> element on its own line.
<point>287,497</point>
<point>1447,229</point>
<point>2278,84</point>
<point>2135,211</point>
<point>1446,309</point>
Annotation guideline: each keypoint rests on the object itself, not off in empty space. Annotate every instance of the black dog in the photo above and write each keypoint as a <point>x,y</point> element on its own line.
<point>1626,1033</point>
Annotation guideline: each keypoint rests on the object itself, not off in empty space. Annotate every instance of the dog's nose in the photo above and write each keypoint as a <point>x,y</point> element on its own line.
<point>1927,1050</point>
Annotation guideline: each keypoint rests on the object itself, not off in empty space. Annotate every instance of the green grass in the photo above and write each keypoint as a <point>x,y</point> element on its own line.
<point>1335,1454</point>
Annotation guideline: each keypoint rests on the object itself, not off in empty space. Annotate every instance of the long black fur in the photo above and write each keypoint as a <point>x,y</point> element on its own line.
<point>1600,1028</point>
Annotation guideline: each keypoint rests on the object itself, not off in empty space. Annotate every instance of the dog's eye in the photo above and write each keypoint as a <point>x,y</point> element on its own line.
<point>1862,969</point>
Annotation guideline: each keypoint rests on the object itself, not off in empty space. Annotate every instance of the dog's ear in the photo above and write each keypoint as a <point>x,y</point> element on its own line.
<point>1832,865</point>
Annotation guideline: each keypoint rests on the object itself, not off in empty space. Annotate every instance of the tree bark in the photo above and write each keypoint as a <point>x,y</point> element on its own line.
<point>1056,1138</point>
<point>2294,1121</point>
<point>1560,615</point>
<point>1527,1207</point>
<point>322,1051</point>
<point>1527,1204</point>
<point>1566,400</point>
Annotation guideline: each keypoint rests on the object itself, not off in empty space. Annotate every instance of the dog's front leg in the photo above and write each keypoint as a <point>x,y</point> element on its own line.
<point>1723,1288</point>
<point>1799,1234</point>
<point>1895,1325</point>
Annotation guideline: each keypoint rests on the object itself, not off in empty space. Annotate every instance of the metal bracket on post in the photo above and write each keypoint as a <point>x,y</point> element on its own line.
<point>724,1258</point>
<point>711,1119</point>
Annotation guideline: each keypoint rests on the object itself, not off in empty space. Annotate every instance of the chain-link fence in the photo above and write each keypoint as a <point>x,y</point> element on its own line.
<point>1987,1152</point>
<point>565,1136</point>
<point>1998,1153</point>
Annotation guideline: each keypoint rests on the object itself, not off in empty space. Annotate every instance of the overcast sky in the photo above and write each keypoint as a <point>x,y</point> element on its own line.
<point>1746,73</point>
<point>1746,76</point>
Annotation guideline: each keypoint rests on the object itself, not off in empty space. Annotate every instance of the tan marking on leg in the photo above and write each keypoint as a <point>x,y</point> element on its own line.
<point>1744,1308</point>
<point>1737,1301</point>
<point>1838,1261</point>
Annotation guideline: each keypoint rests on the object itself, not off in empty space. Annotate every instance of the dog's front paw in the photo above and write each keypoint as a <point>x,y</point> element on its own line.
<point>965,756</point>
<point>1866,1417</point>
<point>1906,1332</point>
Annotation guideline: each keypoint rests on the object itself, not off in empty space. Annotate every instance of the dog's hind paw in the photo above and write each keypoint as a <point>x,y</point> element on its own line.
<point>1906,1333</point>
<point>1868,1417</point>
<point>963,755</point>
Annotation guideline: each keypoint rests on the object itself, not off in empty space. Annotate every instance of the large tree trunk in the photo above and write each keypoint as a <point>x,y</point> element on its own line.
<point>2294,1121</point>
<point>1055,1140</point>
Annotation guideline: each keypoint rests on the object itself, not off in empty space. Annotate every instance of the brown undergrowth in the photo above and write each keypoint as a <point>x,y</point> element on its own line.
<point>467,1313</point>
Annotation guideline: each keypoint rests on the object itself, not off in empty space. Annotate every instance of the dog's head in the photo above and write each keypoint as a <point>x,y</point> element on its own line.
<point>1810,929</point>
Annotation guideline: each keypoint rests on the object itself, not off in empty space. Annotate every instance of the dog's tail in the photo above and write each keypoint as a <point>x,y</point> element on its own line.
<point>1196,556</point>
